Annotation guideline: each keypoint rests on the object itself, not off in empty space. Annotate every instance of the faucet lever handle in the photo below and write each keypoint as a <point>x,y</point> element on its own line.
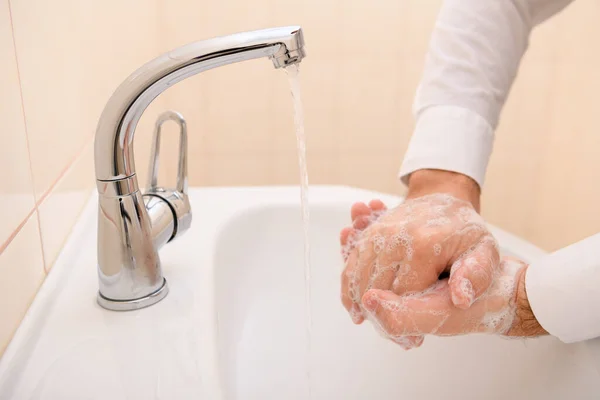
<point>158,198</point>
<point>182,169</point>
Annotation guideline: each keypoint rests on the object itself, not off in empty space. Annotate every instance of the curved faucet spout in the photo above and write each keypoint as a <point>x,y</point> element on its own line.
<point>115,131</point>
<point>131,226</point>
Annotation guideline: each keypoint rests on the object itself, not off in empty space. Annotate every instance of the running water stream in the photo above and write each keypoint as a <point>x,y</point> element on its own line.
<point>292,72</point>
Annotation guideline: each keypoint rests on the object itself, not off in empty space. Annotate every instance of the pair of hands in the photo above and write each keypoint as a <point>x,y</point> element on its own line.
<point>430,266</point>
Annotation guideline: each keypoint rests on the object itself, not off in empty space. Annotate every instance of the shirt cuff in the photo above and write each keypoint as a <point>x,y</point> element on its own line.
<point>449,138</point>
<point>563,291</point>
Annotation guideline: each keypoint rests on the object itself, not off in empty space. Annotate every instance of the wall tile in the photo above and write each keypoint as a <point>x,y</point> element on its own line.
<point>373,30</point>
<point>370,171</point>
<point>540,181</point>
<point>16,191</point>
<point>72,54</point>
<point>237,107</point>
<point>568,189</point>
<point>70,57</point>
<point>580,20</point>
<point>323,168</point>
<point>285,169</point>
<point>61,208</point>
<point>320,86</point>
<point>359,80</point>
<point>237,170</point>
<point>513,178</point>
<point>54,89</point>
<point>22,272</point>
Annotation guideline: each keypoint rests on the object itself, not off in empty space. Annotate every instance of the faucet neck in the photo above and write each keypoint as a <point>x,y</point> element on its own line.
<point>115,132</point>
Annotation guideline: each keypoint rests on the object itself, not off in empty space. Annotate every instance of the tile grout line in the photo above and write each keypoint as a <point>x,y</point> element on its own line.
<point>12,29</point>
<point>35,202</point>
<point>78,154</point>
<point>41,200</point>
<point>4,245</point>
<point>39,222</point>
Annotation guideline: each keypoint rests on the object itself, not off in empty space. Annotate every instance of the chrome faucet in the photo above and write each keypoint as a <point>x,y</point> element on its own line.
<point>132,227</point>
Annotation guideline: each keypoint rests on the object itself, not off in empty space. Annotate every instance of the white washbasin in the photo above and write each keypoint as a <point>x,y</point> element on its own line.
<point>234,323</point>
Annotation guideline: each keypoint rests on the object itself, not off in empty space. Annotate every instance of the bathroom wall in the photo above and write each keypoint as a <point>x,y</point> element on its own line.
<point>61,60</point>
<point>364,63</point>
<point>59,63</point>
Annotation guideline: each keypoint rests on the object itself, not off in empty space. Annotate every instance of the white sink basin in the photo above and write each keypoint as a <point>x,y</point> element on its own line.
<point>234,324</point>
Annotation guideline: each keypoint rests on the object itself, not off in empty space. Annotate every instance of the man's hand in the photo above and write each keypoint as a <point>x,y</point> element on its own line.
<point>406,250</point>
<point>503,309</point>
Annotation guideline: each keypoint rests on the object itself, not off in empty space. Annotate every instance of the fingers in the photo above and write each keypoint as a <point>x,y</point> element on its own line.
<point>358,211</point>
<point>410,280</point>
<point>360,215</point>
<point>344,235</point>
<point>377,205</point>
<point>409,342</point>
<point>363,215</point>
<point>472,275</point>
<point>399,316</point>
<point>349,289</point>
<point>416,275</point>
<point>347,239</point>
<point>405,342</point>
<point>361,208</point>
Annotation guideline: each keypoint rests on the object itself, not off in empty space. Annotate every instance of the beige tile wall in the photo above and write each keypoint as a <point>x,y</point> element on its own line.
<point>544,177</point>
<point>59,63</point>
<point>61,60</point>
<point>364,63</point>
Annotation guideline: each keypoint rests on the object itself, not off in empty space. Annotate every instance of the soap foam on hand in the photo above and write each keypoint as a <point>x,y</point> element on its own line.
<point>432,312</point>
<point>405,251</point>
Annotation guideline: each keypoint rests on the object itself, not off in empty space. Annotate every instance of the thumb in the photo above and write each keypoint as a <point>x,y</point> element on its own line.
<point>382,320</point>
<point>472,274</point>
<point>399,317</point>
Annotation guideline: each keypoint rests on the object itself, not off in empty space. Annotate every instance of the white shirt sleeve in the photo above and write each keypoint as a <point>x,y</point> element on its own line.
<point>474,55</point>
<point>563,290</point>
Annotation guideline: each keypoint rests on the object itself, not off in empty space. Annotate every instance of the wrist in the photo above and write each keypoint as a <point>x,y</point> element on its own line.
<point>428,181</point>
<point>525,324</point>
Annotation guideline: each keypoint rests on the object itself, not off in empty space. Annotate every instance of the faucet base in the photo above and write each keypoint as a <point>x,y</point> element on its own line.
<point>128,305</point>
